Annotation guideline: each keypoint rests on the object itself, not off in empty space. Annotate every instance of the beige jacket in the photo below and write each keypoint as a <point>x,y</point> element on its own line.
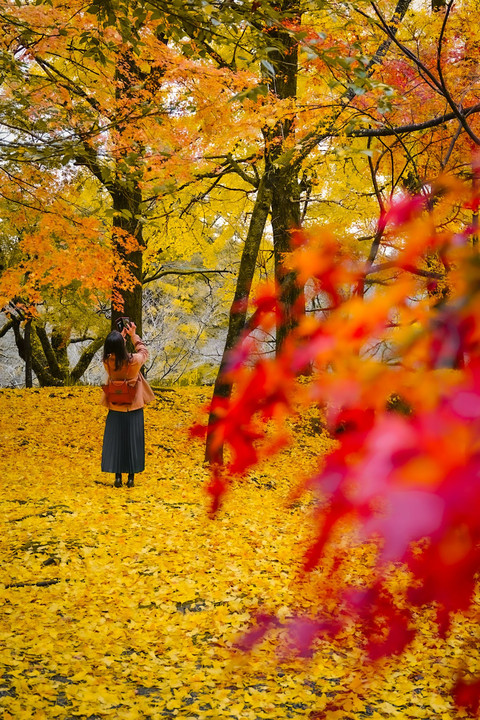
<point>131,371</point>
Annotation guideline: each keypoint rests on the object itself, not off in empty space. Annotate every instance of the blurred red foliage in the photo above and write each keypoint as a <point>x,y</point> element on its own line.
<point>398,373</point>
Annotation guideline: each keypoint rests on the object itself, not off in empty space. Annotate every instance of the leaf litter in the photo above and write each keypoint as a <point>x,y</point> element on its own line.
<point>130,603</point>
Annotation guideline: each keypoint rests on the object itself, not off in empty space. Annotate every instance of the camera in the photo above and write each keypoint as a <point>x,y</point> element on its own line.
<point>122,323</point>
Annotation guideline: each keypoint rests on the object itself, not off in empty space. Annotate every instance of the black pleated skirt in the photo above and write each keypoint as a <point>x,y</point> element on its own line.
<point>124,442</point>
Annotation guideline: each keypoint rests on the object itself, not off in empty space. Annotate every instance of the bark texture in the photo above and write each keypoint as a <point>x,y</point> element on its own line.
<point>238,313</point>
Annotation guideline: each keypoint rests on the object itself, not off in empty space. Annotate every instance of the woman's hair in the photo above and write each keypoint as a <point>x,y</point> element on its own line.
<point>115,345</point>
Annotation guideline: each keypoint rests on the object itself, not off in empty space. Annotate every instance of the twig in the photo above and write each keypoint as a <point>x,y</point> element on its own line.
<point>40,583</point>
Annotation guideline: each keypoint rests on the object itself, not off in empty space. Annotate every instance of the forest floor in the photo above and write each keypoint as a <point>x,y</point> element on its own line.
<point>127,603</point>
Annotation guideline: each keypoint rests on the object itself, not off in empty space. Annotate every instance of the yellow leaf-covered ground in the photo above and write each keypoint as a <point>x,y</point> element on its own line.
<point>126,603</point>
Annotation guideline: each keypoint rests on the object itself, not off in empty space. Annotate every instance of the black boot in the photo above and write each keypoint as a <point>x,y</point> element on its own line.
<point>118,480</point>
<point>130,482</point>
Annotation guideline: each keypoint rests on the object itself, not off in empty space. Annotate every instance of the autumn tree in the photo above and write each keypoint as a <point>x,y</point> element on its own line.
<point>138,100</point>
<point>359,69</point>
<point>106,99</point>
<point>47,311</point>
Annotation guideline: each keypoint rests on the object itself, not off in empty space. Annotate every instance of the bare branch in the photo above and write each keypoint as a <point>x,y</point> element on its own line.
<point>195,271</point>
<point>244,175</point>
<point>8,326</point>
<point>410,268</point>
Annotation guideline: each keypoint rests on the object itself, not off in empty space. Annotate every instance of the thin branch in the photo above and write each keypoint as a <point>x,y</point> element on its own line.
<point>452,145</point>
<point>52,71</point>
<point>402,129</point>
<point>408,268</point>
<point>85,338</point>
<point>398,15</point>
<point>448,96</point>
<point>314,138</point>
<point>439,83</point>
<point>244,175</point>
<point>405,50</point>
<point>199,271</point>
<point>40,583</point>
<point>8,325</point>
<point>89,159</point>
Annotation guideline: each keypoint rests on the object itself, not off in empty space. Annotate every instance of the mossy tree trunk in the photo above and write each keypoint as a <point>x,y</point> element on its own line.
<point>47,358</point>
<point>238,313</point>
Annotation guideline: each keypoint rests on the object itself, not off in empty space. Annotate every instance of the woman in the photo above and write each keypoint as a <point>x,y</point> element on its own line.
<point>124,438</point>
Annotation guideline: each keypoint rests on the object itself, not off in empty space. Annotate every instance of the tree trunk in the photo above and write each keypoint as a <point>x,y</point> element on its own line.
<point>475,183</point>
<point>85,359</point>
<point>278,189</point>
<point>238,313</point>
<point>60,340</point>
<point>27,336</point>
<point>283,176</point>
<point>128,204</point>
<point>126,193</point>
<point>285,217</point>
<point>52,362</point>
<point>44,376</point>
